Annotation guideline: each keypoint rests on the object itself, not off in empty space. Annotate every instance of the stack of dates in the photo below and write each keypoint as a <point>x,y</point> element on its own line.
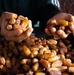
<point>36,56</point>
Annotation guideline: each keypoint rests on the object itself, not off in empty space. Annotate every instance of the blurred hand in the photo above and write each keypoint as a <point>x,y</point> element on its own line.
<point>18,34</point>
<point>52,29</point>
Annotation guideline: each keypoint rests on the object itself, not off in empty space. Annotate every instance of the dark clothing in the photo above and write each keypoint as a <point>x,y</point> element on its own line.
<point>36,10</point>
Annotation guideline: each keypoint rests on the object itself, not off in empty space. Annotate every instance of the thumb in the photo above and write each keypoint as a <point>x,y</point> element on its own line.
<point>8,15</point>
<point>70,18</point>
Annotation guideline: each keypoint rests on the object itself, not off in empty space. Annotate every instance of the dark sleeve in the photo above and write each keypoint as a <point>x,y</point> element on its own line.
<point>71,38</point>
<point>46,12</point>
<point>0,8</point>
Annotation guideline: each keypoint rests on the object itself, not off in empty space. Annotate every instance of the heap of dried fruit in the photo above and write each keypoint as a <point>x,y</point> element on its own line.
<point>36,56</point>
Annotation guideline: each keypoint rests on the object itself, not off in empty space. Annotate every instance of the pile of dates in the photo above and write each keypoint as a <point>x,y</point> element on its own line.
<point>36,56</point>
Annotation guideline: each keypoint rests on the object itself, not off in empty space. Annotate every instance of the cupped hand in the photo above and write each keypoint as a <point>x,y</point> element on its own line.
<point>60,31</point>
<point>13,28</point>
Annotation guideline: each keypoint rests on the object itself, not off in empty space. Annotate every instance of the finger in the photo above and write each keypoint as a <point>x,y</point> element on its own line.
<point>59,16</point>
<point>21,37</point>
<point>54,32</point>
<point>8,15</point>
<point>64,16</point>
<point>48,32</point>
<point>24,35</point>
<point>23,26</point>
<point>68,31</point>
<point>72,28</point>
<point>69,17</point>
<point>20,17</point>
<point>8,33</point>
<point>19,27</point>
<point>16,32</point>
<point>51,22</point>
<point>30,24</point>
<point>62,34</point>
<point>28,32</point>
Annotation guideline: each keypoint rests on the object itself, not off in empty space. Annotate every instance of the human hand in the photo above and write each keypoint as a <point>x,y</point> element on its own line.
<point>60,31</point>
<point>14,27</point>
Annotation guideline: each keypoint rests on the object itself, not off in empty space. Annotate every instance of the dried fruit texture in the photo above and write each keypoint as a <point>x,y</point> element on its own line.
<point>63,28</point>
<point>15,27</point>
<point>63,23</point>
<point>54,71</point>
<point>36,56</point>
<point>20,22</point>
<point>2,61</point>
<point>40,73</point>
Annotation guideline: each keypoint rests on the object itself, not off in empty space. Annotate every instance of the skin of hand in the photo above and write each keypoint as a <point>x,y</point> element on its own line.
<point>13,34</point>
<point>52,31</point>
